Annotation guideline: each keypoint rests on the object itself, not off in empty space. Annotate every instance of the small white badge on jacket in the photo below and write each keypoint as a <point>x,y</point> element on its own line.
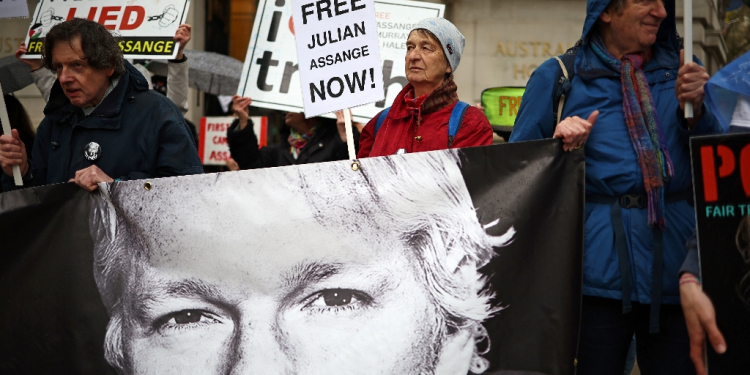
<point>93,151</point>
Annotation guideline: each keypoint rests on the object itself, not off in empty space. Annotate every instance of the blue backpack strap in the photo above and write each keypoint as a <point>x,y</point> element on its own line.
<point>457,117</point>
<point>381,117</point>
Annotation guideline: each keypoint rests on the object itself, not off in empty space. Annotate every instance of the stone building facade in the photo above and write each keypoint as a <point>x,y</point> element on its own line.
<point>505,40</point>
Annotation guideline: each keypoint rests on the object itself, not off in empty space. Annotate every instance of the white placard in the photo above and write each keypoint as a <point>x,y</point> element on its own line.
<point>13,8</point>
<point>146,28</point>
<point>212,143</point>
<point>270,74</point>
<point>338,54</point>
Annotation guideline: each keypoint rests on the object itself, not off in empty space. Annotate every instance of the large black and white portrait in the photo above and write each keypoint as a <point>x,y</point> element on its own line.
<point>446,262</point>
<point>276,272</point>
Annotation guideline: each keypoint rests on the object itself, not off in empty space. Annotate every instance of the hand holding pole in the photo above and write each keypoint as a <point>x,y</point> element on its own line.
<point>6,130</point>
<point>688,45</point>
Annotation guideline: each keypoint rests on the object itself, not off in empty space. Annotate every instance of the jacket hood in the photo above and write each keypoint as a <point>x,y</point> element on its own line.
<point>667,30</point>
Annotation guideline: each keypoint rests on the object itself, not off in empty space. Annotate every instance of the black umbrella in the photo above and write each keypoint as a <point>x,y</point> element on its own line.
<point>14,74</point>
<point>208,71</point>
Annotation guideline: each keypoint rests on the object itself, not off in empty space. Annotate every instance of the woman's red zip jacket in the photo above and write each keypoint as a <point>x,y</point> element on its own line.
<point>400,131</point>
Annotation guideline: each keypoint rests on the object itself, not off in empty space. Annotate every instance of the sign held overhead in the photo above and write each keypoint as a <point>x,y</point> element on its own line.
<point>337,46</point>
<point>146,28</point>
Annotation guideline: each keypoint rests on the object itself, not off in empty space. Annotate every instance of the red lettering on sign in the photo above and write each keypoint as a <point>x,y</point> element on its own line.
<point>218,127</point>
<point>710,192</point>
<point>105,16</point>
<point>728,166</point>
<point>92,14</point>
<point>219,140</point>
<point>140,13</point>
<point>745,169</point>
<point>219,155</point>
<point>72,13</point>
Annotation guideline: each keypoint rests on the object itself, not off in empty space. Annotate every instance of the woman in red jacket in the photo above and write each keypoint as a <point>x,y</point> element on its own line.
<point>418,119</point>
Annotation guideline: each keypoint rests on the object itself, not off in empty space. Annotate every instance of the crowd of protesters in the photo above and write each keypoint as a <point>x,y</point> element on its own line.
<point>629,83</point>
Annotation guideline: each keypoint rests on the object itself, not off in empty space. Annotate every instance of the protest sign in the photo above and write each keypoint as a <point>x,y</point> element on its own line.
<point>213,148</point>
<point>721,179</point>
<point>409,265</point>
<point>13,8</point>
<point>146,28</point>
<point>270,74</point>
<point>338,53</point>
<point>501,105</point>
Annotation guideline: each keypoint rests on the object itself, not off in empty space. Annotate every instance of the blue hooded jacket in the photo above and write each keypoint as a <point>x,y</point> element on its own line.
<point>612,167</point>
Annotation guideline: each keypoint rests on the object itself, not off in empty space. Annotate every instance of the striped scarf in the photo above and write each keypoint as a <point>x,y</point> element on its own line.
<point>443,95</point>
<point>297,141</point>
<point>643,126</point>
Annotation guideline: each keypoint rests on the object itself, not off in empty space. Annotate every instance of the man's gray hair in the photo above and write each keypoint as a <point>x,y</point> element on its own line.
<point>417,201</point>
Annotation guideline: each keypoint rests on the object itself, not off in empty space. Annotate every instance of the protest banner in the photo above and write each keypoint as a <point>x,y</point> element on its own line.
<point>414,264</point>
<point>146,28</point>
<point>721,180</point>
<point>270,75</point>
<point>213,148</point>
<point>337,47</point>
<point>13,8</point>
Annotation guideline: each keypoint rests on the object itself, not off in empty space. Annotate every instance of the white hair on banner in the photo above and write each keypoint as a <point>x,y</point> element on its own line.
<point>418,203</point>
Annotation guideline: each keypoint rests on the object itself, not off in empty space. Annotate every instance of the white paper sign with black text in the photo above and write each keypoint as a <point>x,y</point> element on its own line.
<point>146,28</point>
<point>338,52</point>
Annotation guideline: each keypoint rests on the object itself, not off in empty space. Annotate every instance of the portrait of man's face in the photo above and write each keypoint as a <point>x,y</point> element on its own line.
<point>282,274</point>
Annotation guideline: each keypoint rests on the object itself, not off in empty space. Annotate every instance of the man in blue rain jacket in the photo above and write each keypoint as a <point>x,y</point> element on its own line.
<point>625,108</point>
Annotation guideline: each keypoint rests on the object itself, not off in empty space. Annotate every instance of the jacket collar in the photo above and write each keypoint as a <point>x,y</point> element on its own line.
<point>59,106</point>
<point>442,96</point>
<point>589,66</point>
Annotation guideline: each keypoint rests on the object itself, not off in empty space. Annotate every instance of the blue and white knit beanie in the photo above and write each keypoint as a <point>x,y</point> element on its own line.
<point>450,38</point>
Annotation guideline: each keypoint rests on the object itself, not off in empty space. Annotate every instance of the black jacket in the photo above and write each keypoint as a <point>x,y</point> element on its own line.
<point>325,145</point>
<point>141,133</point>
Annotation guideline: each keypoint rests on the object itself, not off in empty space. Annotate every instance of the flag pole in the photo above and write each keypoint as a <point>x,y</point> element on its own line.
<point>688,45</point>
<point>349,133</point>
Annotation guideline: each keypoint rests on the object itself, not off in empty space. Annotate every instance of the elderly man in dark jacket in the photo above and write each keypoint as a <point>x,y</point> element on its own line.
<point>102,123</point>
